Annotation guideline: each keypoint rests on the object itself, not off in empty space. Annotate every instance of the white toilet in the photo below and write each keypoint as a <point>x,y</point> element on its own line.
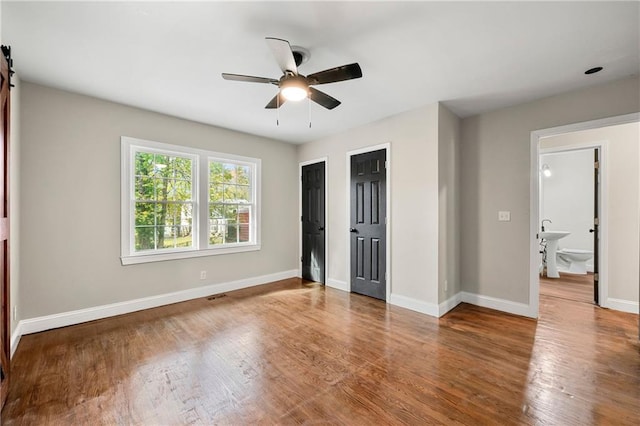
<point>573,261</point>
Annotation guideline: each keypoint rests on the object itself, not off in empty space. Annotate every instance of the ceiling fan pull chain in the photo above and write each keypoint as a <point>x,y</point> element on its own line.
<point>278,109</point>
<point>309,102</point>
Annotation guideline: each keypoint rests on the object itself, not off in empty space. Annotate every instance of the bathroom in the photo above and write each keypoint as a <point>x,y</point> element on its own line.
<point>567,204</point>
<point>566,199</point>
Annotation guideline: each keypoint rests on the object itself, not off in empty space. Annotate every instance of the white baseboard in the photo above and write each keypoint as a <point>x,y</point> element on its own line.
<point>337,284</point>
<point>414,305</point>
<point>449,304</point>
<point>15,338</point>
<point>623,305</point>
<point>498,304</point>
<point>63,319</point>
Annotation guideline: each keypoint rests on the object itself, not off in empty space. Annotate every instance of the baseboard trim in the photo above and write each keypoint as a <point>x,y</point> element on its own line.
<point>414,305</point>
<point>337,284</point>
<point>449,304</point>
<point>63,319</point>
<point>15,338</point>
<point>498,304</point>
<point>623,305</point>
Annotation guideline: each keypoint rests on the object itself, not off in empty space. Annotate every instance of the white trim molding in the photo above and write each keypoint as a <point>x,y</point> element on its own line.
<point>449,304</point>
<point>337,284</point>
<point>623,305</point>
<point>499,304</point>
<point>63,319</point>
<point>15,338</point>
<point>415,305</point>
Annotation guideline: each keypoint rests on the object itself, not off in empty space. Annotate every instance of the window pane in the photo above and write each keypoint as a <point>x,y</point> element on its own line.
<point>179,190</point>
<point>216,193</point>
<point>160,165</point>
<point>182,168</point>
<point>145,214</point>
<point>230,193</point>
<point>145,238</point>
<point>244,214</point>
<point>231,213</point>
<point>216,172</point>
<point>243,175</point>
<point>216,237</point>
<point>243,194</point>
<point>216,211</point>
<point>231,235</point>
<point>144,188</point>
<point>244,233</point>
<point>143,164</point>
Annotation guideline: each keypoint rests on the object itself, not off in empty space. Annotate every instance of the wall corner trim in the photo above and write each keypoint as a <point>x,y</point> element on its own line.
<point>337,284</point>
<point>415,305</point>
<point>15,338</point>
<point>449,304</point>
<point>499,304</point>
<point>63,319</point>
<point>623,305</point>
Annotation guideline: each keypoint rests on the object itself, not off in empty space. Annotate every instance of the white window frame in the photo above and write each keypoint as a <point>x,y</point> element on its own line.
<point>200,188</point>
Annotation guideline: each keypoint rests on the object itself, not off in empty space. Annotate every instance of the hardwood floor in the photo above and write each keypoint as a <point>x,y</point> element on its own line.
<point>293,352</point>
<point>569,286</point>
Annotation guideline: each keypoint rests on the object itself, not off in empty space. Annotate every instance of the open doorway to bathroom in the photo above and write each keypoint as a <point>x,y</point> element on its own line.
<point>570,190</point>
<point>615,256</point>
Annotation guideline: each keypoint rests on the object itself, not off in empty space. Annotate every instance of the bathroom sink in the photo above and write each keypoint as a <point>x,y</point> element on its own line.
<point>553,235</point>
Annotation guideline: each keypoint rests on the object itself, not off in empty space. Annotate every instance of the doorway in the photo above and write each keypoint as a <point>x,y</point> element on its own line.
<point>368,223</point>
<point>571,186</point>
<point>624,258</point>
<point>313,221</point>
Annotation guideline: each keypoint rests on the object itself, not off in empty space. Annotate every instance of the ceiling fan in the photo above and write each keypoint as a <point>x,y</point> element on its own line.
<point>294,86</point>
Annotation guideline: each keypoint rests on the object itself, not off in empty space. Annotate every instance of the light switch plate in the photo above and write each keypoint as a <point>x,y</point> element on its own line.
<point>504,216</point>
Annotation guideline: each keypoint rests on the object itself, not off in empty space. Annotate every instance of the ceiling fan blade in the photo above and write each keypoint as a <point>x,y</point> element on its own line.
<point>248,78</point>
<point>345,72</point>
<point>284,56</point>
<point>323,99</point>
<point>275,103</point>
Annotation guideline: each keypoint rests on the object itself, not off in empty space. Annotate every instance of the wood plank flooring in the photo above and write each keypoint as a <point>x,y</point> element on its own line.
<point>299,353</point>
<point>569,286</point>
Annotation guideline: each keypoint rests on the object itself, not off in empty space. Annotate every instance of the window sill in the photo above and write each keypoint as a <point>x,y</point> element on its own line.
<point>161,257</point>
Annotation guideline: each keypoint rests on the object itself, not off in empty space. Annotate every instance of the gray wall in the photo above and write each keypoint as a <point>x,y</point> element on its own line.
<point>449,204</point>
<point>70,212</point>
<point>495,165</point>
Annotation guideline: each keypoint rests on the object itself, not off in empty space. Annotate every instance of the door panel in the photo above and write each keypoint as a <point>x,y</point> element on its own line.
<point>313,222</point>
<point>367,224</point>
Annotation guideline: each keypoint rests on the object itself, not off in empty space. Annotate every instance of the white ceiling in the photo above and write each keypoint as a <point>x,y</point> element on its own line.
<point>168,57</point>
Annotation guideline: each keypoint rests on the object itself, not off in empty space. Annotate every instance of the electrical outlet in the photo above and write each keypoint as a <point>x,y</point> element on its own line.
<point>504,216</point>
<point>203,275</point>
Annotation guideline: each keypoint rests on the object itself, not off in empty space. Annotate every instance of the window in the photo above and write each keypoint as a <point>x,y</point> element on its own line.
<point>179,202</point>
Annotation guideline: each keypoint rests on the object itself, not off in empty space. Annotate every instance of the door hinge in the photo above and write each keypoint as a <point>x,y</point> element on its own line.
<point>301,259</point>
<point>596,165</point>
<point>596,277</point>
<point>596,221</point>
<point>301,219</point>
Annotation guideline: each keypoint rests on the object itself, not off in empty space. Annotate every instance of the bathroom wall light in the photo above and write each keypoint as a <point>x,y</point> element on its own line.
<point>546,170</point>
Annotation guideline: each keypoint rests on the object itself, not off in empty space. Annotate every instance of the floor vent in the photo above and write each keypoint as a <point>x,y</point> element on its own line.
<point>217,296</point>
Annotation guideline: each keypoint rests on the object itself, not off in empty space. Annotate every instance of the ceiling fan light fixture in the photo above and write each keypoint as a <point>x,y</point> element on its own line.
<point>294,89</point>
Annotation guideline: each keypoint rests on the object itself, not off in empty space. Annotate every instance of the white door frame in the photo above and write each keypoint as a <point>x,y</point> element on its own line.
<point>326,214</point>
<point>387,148</point>
<point>534,210</point>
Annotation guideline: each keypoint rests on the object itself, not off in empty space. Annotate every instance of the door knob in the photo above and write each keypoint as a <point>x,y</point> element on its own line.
<point>353,230</point>
<point>592,230</point>
<point>320,228</point>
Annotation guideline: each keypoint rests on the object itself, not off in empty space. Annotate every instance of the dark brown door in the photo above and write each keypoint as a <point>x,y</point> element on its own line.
<point>368,224</point>
<point>596,224</point>
<point>4,230</point>
<point>313,234</point>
